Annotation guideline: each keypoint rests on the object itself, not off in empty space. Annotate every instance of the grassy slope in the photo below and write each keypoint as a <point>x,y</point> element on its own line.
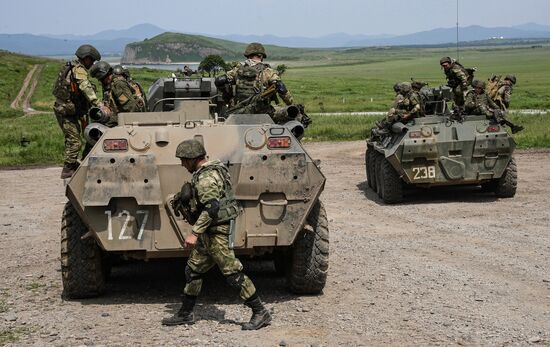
<point>353,80</point>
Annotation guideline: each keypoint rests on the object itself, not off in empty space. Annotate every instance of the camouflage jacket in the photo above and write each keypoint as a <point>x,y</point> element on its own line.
<point>119,96</point>
<point>265,77</point>
<point>411,105</point>
<point>209,186</point>
<point>457,77</point>
<point>86,96</point>
<point>480,104</point>
<point>504,95</point>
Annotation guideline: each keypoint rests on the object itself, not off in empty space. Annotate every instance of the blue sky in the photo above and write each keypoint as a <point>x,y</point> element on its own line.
<point>309,18</point>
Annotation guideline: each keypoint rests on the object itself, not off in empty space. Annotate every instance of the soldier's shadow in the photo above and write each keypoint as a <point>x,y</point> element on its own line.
<point>162,281</point>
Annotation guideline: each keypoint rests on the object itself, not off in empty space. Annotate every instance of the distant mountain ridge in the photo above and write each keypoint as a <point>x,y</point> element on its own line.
<point>113,42</point>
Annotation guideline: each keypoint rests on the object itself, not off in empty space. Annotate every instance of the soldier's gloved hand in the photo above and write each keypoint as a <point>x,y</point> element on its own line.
<point>176,204</point>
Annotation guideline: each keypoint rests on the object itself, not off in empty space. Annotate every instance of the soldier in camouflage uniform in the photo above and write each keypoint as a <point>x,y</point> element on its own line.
<point>253,77</point>
<point>478,102</point>
<point>504,92</point>
<point>458,78</point>
<point>407,105</point>
<point>74,95</point>
<point>216,207</point>
<point>118,95</point>
<point>137,89</point>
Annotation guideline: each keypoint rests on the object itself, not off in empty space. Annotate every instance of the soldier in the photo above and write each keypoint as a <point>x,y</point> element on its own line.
<point>117,93</point>
<point>137,89</point>
<point>187,72</point>
<point>504,92</point>
<point>407,105</point>
<point>458,78</point>
<point>216,206</point>
<point>478,102</point>
<point>254,78</point>
<point>74,95</point>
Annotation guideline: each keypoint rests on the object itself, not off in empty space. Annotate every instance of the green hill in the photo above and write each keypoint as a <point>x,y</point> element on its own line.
<point>174,47</point>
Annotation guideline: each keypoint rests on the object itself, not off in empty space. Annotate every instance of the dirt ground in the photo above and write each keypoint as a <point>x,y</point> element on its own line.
<point>447,267</point>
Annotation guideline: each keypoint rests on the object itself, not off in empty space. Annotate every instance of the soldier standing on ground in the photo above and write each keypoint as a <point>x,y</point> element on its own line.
<point>137,89</point>
<point>458,79</point>
<point>216,208</point>
<point>118,95</point>
<point>253,77</point>
<point>74,95</point>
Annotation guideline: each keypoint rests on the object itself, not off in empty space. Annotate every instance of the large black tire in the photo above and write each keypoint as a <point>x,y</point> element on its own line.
<point>378,178</point>
<point>82,265</point>
<point>369,167</point>
<point>391,186</point>
<point>309,260</point>
<point>507,184</point>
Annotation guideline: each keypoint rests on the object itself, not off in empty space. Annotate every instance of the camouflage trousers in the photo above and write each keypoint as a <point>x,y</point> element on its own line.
<point>213,249</point>
<point>71,131</point>
<point>459,96</point>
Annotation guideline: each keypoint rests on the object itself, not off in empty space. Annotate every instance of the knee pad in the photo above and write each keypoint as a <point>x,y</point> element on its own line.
<point>235,280</point>
<point>191,275</point>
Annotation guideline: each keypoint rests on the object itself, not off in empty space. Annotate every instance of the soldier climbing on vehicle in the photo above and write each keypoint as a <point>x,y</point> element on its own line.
<point>74,95</point>
<point>407,105</point>
<point>478,102</point>
<point>458,77</point>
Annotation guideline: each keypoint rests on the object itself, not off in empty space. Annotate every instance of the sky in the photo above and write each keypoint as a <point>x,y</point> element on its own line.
<point>309,18</point>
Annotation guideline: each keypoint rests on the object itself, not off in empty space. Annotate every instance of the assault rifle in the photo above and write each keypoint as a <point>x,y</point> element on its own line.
<point>182,204</point>
<point>251,104</point>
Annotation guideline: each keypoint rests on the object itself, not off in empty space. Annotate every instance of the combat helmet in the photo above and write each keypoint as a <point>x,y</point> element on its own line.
<point>100,70</point>
<point>121,70</point>
<point>190,149</point>
<point>88,51</point>
<point>445,60</point>
<point>404,87</point>
<point>511,78</point>
<point>478,84</point>
<point>255,48</point>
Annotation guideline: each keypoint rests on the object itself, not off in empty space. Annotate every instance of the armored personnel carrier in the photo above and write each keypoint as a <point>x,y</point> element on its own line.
<point>441,149</point>
<point>120,196</point>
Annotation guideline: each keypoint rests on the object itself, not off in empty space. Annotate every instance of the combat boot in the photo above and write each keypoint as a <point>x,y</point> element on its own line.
<point>517,128</point>
<point>69,170</point>
<point>260,315</point>
<point>185,314</point>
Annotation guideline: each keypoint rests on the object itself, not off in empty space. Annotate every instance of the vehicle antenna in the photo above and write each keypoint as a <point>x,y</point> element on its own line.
<point>457,50</point>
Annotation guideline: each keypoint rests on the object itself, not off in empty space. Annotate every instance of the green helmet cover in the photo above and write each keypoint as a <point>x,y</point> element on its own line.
<point>255,48</point>
<point>190,149</point>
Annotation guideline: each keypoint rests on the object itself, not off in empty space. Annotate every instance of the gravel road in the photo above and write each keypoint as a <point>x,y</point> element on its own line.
<point>447,267</point>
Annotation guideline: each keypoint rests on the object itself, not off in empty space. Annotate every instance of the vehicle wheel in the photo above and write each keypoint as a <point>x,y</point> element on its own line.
<point>378,158</point>
<point>507,185</point>
<point>391,184</point>
<point>82,265</point>
<point>309,259</point>
<point>369,167</point>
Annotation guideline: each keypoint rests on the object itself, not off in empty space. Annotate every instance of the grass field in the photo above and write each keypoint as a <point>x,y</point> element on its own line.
<point>353,80</point>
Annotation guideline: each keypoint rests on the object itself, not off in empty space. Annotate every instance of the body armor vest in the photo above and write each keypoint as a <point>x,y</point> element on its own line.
<point>228,207</point>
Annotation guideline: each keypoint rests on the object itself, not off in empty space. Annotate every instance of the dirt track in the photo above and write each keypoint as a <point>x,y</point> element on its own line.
<point>447,267</point>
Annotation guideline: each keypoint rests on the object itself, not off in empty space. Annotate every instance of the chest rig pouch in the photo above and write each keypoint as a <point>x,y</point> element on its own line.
<point>226,208</point>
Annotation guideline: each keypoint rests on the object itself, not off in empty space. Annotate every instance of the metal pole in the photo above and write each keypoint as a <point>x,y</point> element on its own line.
<point>457,51</point>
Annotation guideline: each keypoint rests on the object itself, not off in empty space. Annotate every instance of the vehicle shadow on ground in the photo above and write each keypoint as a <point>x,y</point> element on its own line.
<point>162,281</point>
<point>434,195</point>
